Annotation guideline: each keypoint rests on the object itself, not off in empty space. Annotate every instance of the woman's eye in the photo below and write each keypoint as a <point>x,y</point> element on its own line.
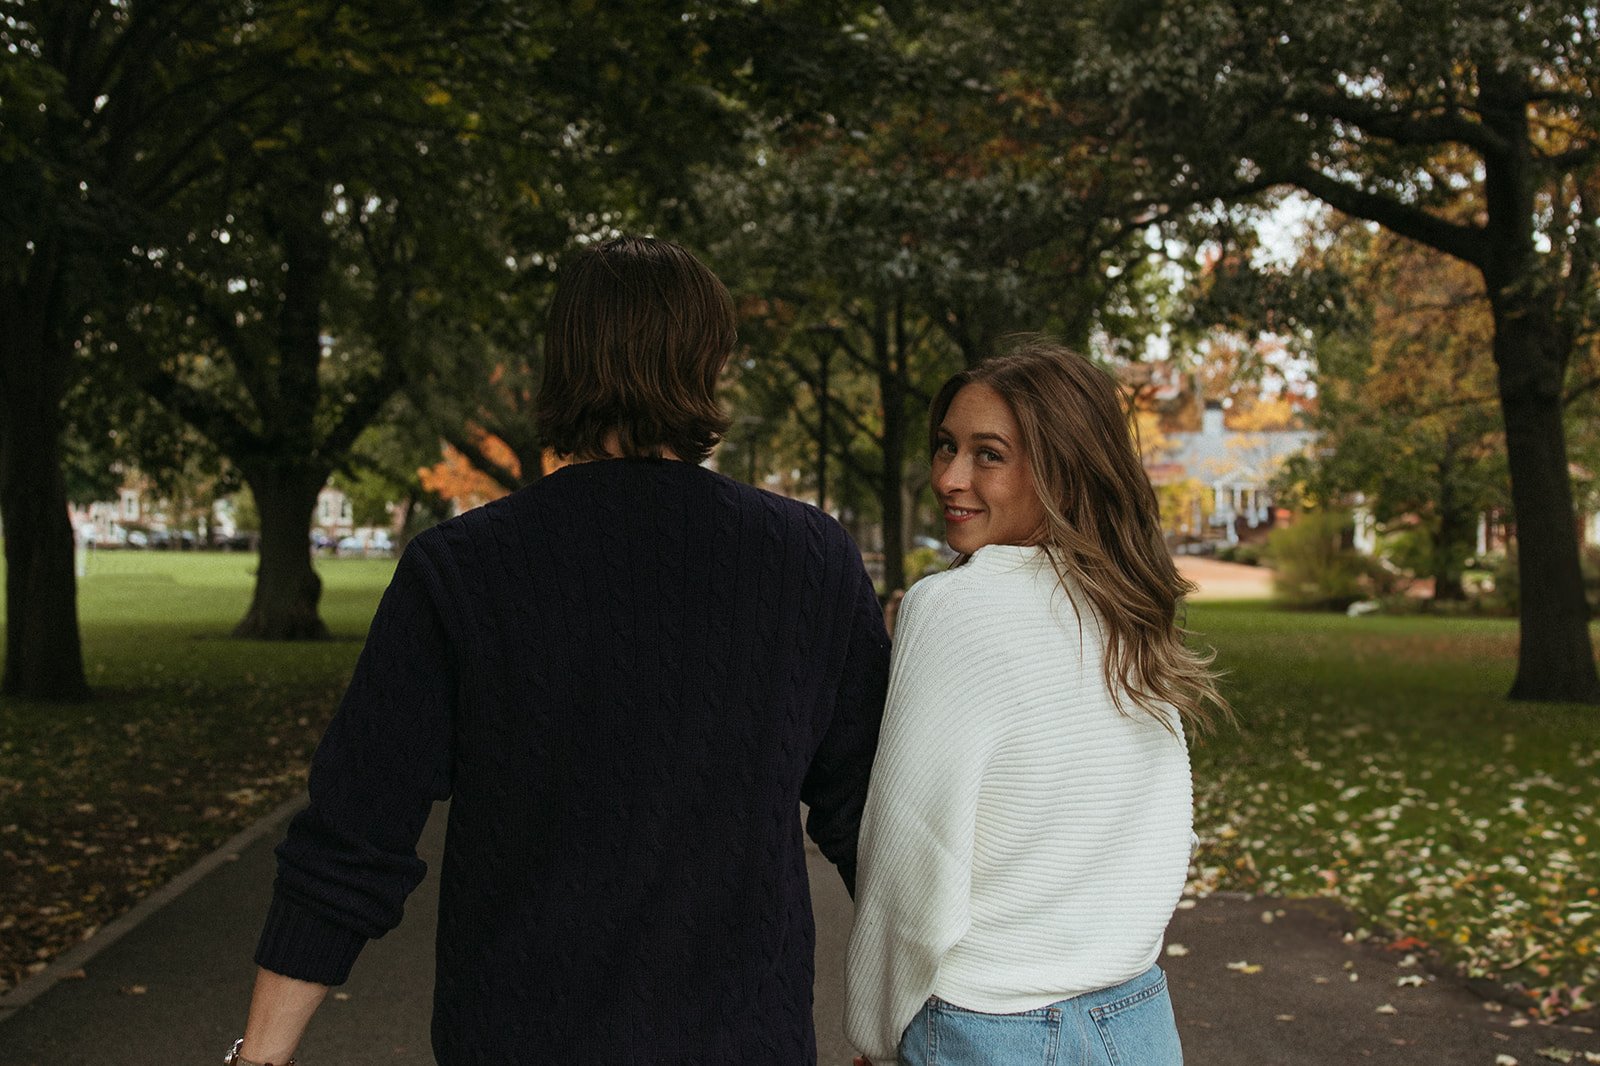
<point>989,455</point>
<point>945,447</point>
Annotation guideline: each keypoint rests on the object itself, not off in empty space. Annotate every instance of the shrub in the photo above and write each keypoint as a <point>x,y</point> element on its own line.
<point>922,561</point>
<point>1243,554</point>
<point>1316,568</point>
<point>1506,595</point>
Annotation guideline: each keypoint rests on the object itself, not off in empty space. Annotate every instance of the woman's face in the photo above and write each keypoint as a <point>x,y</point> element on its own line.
<point>981,474</point>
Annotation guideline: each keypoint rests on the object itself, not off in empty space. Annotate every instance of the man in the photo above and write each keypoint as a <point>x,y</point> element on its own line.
<point>625,678</point>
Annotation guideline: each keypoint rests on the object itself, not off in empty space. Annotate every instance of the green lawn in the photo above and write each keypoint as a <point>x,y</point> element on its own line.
<point>191,736</point>
<point>1376,762</point>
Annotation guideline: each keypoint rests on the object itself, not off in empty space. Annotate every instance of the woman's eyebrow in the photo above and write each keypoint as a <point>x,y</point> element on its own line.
<point>991,436</point>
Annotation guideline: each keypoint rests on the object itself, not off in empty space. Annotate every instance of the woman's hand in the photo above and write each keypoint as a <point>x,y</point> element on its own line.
<point>861,1060</point>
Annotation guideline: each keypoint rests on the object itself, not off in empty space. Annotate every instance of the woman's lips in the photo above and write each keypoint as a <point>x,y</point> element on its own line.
<point>959,514</point>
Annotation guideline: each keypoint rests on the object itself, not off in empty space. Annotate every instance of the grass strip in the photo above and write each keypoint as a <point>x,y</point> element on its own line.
<point>1378,763</point>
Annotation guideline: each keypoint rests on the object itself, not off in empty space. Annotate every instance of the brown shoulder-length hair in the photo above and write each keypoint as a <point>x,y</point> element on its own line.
<point>637,334</point>
<point>1102,523</point>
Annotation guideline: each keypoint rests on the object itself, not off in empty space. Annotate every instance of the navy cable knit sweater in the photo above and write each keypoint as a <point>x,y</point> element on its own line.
<point>625,678</point>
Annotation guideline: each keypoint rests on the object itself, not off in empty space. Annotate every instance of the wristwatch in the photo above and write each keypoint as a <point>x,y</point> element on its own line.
<point>236,1059</point>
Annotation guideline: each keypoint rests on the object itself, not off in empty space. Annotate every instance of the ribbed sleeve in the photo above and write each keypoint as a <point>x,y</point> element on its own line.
<point>1023,839</point>
<point>349,859</point>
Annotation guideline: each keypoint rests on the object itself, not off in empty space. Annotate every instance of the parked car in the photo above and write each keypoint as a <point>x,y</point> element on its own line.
<point>376,542</point>
<point>168,539</point>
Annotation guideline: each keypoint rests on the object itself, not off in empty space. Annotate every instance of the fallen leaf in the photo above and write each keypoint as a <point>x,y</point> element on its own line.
<point>1244,967</point>
<point>1387,1008</point>
<point>1409,981</point>
<point>1556,1054</point>
<point>1285,1018</point>
<point>1505,1060</point>
<point>1177,950</point>
<point>134,990</point>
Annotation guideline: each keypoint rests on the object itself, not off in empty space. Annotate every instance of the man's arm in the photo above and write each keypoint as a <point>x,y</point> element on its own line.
<point>835,787</point>
<point>348,861</point>
<point>280,1009</point>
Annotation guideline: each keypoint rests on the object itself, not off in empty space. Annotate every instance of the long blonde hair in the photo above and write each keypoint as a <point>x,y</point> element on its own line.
<point>1102,523</point>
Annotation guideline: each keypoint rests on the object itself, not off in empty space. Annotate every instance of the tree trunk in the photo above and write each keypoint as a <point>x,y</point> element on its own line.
<point>891,358</point>
<point>1555,662</point>
<point>44,656</point>
<point>284,606</point>
<point>1453,536</point>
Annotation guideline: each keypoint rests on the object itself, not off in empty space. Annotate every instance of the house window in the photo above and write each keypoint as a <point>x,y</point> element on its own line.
<point>130,504</point>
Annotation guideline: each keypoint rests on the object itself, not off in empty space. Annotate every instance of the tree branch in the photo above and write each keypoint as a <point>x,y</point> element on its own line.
<point>1399,126</point>
<point>1583,388</point>
<point>369,400</point>
<point>1467,243</point>
<point>844,455</point>
<point>499,474</point>
<point>214,421</point>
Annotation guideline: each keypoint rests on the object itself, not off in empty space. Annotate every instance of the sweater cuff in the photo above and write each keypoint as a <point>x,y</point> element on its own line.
<point>301,944</point>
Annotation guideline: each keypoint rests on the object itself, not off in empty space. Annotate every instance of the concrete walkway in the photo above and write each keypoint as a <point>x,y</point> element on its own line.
<point>175,988</point>
<point>1224,581</point>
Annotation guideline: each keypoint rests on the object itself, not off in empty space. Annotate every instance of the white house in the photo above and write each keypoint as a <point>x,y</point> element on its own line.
<point>1237,468</point>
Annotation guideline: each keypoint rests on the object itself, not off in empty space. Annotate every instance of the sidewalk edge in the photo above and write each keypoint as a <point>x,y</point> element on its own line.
<point>75,957</point>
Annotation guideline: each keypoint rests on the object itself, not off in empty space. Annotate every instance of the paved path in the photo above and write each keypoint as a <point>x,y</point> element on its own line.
<point>1225,581</point>
<point>174,990</point>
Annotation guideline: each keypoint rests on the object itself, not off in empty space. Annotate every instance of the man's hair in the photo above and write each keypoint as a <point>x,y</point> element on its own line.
<point>638,332</point>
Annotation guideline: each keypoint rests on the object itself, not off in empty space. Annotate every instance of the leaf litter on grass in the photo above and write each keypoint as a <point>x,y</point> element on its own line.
<point>1467,825</point>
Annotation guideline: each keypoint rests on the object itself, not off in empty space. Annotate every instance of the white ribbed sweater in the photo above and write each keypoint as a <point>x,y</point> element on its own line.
<point>1023,840</point>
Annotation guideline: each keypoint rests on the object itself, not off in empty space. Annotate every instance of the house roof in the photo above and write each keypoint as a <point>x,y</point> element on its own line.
<point>1239,457</point>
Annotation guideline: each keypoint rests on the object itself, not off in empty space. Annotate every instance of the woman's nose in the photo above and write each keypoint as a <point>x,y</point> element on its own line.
<point>952,476</point>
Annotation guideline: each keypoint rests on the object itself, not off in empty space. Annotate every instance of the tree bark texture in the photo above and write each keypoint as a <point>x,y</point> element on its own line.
<point>889,339</point>
<point>44,656</point>
<point>1453,539</point>
<point>1555,660</point>
<point>288,590</point>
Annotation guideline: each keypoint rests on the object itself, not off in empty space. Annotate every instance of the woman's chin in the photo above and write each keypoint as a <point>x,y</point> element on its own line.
<point>961,544</point>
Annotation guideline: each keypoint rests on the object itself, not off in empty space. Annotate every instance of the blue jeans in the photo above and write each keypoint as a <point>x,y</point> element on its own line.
<point>1125,1025</point>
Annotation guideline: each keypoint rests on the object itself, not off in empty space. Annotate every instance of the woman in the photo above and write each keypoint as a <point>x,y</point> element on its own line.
<point>625,678</point>
<point>1028,826</point>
